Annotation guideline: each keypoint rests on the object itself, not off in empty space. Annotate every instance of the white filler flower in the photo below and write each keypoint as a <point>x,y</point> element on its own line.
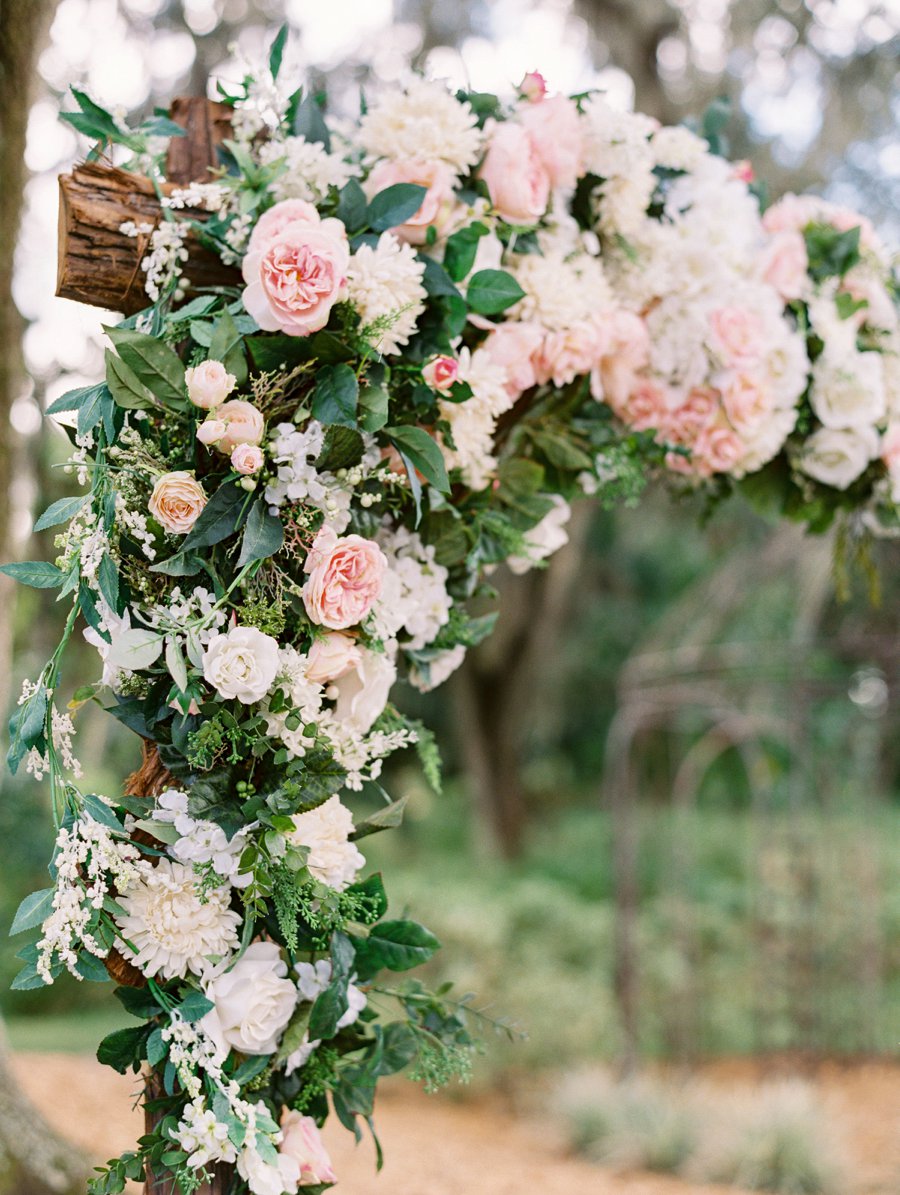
<point>326,830</point>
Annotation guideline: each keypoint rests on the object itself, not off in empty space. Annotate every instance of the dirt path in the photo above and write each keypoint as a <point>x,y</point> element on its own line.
<point>435,1146</point>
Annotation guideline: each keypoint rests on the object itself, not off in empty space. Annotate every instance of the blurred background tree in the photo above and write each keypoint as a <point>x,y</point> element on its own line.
<point>757,845</point>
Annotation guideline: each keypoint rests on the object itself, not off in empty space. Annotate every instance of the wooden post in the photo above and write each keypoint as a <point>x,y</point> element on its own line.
<point>100,265</point>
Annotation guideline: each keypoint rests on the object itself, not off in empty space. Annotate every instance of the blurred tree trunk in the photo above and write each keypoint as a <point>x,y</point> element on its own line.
<point>507,680</point>
<point>33,1159</point>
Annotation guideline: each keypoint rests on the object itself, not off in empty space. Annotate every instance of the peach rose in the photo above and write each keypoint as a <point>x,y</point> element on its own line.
<point>345,577</point>
<point>176,502</point>
<point>331,656</point>
<point>783,264</point>
<point>516,178</point>
<point>441,373</point>
<point>295,269</point>
<point>302,1143</point>
<point>746,403</point>
<point>437,203</point>
<point>247,459</point>
<point>211,430</point>
<point>515,345</point>
<point>736,334</point>
<point>244,424</point>
<point>555,128</point>
<point>209,384</point>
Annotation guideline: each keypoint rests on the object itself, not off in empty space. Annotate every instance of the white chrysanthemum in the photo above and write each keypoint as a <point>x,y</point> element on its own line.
<point>309,170</point>
<point>472,423</point>
<point>423,122</point>
<point>172,927</point>
<point>560,292</point>
<point>326,830</point>
<point>616,143</point>
<point>384,284</point>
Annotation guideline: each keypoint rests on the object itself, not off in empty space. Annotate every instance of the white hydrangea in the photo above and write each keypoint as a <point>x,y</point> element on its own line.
<point>384,284</point>
<point>560,291</point>
<point>309,170</point>
<point>414,594</point>
<point>676,148</point>
<point>423,122</point>
<point>474,421</point>
<point>326,830</point>
<point>173,927</point>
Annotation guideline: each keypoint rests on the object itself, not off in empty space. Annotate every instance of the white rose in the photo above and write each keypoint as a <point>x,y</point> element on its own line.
<point>326,830</point>
<point>849,393</point>
<point>209,384</point>
<point>363,692</point>
<point>546,538</point>
<point>241,664</point>
<point>837,457</point>
<point>253,1001</point>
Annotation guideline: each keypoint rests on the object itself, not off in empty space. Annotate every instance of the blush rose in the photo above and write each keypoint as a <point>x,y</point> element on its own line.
<point>302,1143</point>
<point>176,502</point>
<point>516,178</point>
<point>345,578</point>
<point>209,384</point>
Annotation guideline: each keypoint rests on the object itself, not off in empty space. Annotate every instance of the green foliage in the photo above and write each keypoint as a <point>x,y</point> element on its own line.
<point>831,252</point>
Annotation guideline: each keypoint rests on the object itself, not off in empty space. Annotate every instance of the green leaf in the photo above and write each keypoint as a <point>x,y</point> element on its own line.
<point>125,386</point>
<point>419,447</point>
<point>331,1004</point>
<point>137,1002</point>
<point>394,205</point>
<point>124,1049</point>
<point>437,281</point>
<point>461,249</point>
<point>385,819</point>
<point>222,516</point>
<point>157,1049</point>
<point>60,512</point>
<point>277,51</point>
<point>295,1032</point>
<point>38,574</point>
<point>92,120</point>
<point>400,1047</point>
<point>135,649</point>
<point>185,564</point>
<point>373,408</point>
<point>351,208</point>
<point>492,291</point>
<point>561,451</point>
<point>108,580</point>
<point>98,809</point>
<point>151,360</point>
<point>34,910</point>
<point>831,252</point>
<point>28,979</point>
<point>336,395</point>
<point>310,123</point>
<point>394,946</point>
<point>342,449</point>
<point>194,1006</point>
<point>263,534</point>
<point>227,345</point>
<point>26,727</point>
<point>372,889</point>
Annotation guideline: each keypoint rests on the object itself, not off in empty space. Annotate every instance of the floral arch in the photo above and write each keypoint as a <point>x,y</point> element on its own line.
<point>364,363</point>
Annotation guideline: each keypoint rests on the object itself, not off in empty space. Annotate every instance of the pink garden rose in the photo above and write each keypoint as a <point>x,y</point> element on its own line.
<point>717,450</point>
<point>576,350</point>
<point>295,269</point>
<point>302,1143</point>
<point>176,502</point>
<point>244,424</point>
<point>515,345</point>
<point>690,417</point>
<point>556,131</point>
<point>437,204</point>
<point>209,384</point>
<point>441,373</point>
<point>746,403</point>
<point>247,459</point>
<point>345,577</point>
<point>783,264</point>
<point>516,178</point>
<point>331,656</point>
<point>533,87</point>
<point>647,407</point>
<point>890,447</point>
<point>615,375</point>
<point>736,334</point>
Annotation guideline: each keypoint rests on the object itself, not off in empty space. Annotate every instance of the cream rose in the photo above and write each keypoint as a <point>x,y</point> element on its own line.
<point>253,1001</point>
<point>176,502</point>
<point>244,424</point>
<point>345,576</point>
<point>438,179</point>
<point>302,1143</point>
<point>295,269</point>
<point>247,459</point>
<point>837,457</point>
<point>516,179</point>
<point>242,663</point>
<point>326,830</point>
<point>331,656</point>
<point>849,392</point>
<point>210,431</point>
<point>363,693</point>
<point>209,384</point>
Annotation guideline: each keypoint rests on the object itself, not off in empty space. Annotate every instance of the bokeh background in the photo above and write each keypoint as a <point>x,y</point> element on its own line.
<point>669,832</point>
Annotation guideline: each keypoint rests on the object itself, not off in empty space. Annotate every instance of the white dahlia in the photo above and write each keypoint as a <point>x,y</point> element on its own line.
<point>422,122</point>
<point>384,284</point>
<point>172,928</point>
<point>326,830</point>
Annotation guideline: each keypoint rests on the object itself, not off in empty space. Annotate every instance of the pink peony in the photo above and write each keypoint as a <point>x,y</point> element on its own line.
<point>331,656</point>
<point>302,1143</point>
<point>247,459</point>
<point>647,406</point>
<point>295,269</point>
<point>441,373</point>
<point>516,178</point>
<point>244,424</point>
<point>783,264</point>
<point>345,577</point>
<point>437,204</point>
<point>688,419</point>
<point>515,345</point>
<point>736,334</point>
<point>556,131</point>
